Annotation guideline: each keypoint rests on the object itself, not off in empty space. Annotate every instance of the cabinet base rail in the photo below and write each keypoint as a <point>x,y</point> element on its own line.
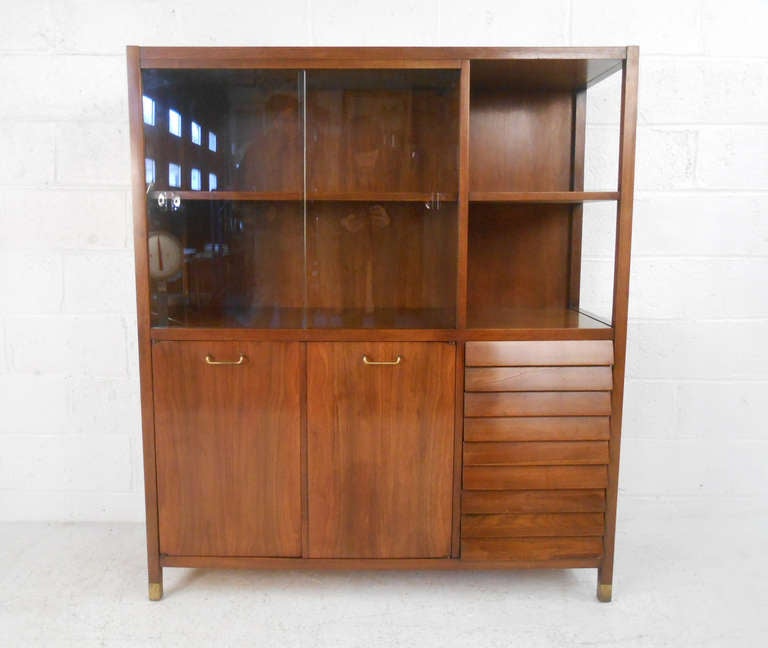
<point>252,562</point>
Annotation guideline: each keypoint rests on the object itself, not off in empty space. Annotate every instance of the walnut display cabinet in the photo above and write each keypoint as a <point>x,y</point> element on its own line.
<point>377,328</point>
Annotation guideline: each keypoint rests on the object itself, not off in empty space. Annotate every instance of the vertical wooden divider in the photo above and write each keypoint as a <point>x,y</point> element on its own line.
<point>620,304</point>
<point>304,453</point>
<point>461,299</point>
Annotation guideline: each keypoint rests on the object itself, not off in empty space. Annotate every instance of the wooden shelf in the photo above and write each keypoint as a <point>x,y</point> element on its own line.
<point>313,318</point>
<point>383,196</point>
<point>256,196</point>
<point>432,319</point>
<point>532,318</point>
<point>573,197</point>
<point>289,196</point>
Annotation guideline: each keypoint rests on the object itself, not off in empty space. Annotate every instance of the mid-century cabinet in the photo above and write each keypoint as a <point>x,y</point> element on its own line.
<point>361,330</point>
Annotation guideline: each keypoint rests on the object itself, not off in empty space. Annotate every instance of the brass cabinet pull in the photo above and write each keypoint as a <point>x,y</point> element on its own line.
<point>209,359</point>
<point>396,361</point>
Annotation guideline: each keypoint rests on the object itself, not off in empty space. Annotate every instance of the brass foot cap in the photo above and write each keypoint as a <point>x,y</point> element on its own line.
<point>155,591</point>
<point>604,593</point>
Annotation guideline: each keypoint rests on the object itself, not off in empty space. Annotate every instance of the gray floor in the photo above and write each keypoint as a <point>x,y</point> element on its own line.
<point>686,575</point>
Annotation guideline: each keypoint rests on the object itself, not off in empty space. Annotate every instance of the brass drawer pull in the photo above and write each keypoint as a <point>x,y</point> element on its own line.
<point>209,359</point>
<point>396,361</point>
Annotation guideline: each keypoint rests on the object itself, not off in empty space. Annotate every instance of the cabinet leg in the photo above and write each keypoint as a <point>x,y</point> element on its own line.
<point>155,581</point>
<point>605,582</point>
<point>155,591</point>
<point>604,592</point>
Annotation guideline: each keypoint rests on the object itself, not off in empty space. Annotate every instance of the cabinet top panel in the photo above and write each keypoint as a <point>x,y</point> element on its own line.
<point>245,57</point>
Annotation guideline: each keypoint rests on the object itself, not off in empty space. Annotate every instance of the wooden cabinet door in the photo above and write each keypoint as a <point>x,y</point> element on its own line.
<point>380,449</point>
<point>227,446</point>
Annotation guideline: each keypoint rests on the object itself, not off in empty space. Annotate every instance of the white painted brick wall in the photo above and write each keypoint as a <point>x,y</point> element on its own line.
<point>697,374</point>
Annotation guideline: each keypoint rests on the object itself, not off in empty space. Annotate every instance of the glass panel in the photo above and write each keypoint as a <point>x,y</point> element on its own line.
<point>252,120</point>
<point>383,131</point>
<point>380,229</point>
<point>382,264</point>
<point>382,155</point>
<point>601,149</point>
<point>598,246</point>
<point>236,257</point>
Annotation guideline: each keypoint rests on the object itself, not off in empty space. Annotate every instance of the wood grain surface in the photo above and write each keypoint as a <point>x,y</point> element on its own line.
<point>380,449</point>
<point>228,459</point>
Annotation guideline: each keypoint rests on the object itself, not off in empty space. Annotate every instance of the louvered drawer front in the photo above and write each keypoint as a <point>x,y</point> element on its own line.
<point>539,354</point>
<point>531,549</point>
<point>536,450</point>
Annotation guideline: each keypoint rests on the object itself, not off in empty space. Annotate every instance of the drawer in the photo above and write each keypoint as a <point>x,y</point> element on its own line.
<point>531,548</point>
<point>534,453</point>
<point>534,478</point>
<point>529,525</point>
<point>538,428</point>
<point>534,501</point>
<point>549,353</point>
<point>499,379</point>
<point>537,404</point>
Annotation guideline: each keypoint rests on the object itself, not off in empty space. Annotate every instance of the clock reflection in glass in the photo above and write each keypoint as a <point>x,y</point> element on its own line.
<point>166,256</point>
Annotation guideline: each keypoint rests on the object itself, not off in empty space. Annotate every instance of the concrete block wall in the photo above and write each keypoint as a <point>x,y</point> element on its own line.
<point>696,430</point>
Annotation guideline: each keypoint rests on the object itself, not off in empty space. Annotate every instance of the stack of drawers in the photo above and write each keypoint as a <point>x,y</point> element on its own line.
<point>536,433</point>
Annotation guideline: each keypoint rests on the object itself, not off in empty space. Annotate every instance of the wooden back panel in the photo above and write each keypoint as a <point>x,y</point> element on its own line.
<point>370,256</point>
<point>520,140</point>
<point>518,256</point>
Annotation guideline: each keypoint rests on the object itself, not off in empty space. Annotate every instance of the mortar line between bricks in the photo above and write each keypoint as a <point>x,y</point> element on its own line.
<point>704,58</point>
<point>685,257</point>
<point>725,193</point>
<point>700,320</point>
<point>688,320</point>
<point>702,381</point>
<point>676,126</point>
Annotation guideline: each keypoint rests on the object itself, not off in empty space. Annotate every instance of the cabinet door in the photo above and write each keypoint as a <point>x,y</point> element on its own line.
<point>227,446</point>
<point>380,444</point>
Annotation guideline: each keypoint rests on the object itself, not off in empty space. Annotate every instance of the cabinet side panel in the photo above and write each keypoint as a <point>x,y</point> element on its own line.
<point>143,311</point>
<point>228,448</point>
<point>380,450</point>
<point>621,293</point>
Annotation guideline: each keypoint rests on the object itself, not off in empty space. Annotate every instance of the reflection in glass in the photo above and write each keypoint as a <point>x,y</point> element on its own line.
<point>149,110</point>
<point>174,122</point>
<point>174,175</point>
<point>196,180</point>
<point>149,171</point>
<point>197,133</point>
<point>340,197</point>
